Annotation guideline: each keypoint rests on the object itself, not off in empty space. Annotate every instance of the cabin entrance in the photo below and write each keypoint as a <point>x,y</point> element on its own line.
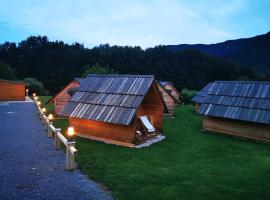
<point>144,129</point>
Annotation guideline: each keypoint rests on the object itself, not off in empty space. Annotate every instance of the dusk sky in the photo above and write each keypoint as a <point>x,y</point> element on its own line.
<point>134,22</point>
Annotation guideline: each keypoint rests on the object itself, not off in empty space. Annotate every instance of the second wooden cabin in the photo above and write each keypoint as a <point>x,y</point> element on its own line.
<point>119,109</point>
<point>12,90</point>
<point>61,98</point>
<point>239,108</point>
<point>170,96</point>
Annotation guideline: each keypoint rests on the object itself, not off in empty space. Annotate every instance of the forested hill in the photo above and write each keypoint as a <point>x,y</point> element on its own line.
<point>251,52</point>
<point>55,63</point>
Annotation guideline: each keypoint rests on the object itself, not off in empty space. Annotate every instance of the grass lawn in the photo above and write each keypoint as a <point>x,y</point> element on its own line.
<point>188,164</point>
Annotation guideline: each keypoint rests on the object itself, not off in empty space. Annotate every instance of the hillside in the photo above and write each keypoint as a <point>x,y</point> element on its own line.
<point>251,52</point>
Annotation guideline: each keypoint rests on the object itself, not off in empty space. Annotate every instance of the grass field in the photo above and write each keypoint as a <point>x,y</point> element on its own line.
<point>188,164</point>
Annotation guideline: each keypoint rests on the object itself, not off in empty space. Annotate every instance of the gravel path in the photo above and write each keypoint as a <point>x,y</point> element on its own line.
<point>30,168</point>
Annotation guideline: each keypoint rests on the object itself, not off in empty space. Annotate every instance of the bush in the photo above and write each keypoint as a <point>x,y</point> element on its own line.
<point>187,95</point>
<point>35,86</point>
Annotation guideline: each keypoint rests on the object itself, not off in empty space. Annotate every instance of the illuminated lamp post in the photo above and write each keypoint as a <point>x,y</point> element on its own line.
<point>70,134</point>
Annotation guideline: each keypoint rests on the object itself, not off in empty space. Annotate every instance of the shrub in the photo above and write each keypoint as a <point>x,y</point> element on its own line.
<point>187,95</point>
<point>35,86</point>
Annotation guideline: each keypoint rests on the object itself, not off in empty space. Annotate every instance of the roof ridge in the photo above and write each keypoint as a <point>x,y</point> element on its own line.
<point>244,82</point>
<point>122,75</point>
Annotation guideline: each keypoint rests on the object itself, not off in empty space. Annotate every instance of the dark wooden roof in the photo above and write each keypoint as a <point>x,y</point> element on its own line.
<point>247,101</point>
<point>200,96</point>
<point>109,98</point>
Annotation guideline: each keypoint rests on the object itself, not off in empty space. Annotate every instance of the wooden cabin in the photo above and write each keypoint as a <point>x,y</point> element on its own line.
<point>171,90</point>
<point>198,99</point>
<point>110,108</point>
<point>61,98</point>
<point>12,90</point>
<point>238,108</point>
<point>170,97</point>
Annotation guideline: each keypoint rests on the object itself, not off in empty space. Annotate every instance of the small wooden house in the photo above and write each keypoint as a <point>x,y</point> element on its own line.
<point>170,96</point>
<point>116,109</point>
<point>12,90</point>
<point>198,99</point>
<point>61,98</point>
<point>238,108</point>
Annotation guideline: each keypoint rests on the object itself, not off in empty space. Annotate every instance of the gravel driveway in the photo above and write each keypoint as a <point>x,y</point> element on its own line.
<point>30,168</point>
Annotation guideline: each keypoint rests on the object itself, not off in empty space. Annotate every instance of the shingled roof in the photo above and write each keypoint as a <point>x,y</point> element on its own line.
<point>239,100</point>
<point>200,96</point>
<point>109,98</point>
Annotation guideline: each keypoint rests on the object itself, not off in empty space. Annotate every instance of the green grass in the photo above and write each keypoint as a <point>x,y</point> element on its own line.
<point>188,164</point>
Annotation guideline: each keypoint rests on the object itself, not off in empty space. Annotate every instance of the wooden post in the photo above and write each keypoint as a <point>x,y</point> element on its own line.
<point>56,139</point>
<point>49,129</point>
<point>70,156</point>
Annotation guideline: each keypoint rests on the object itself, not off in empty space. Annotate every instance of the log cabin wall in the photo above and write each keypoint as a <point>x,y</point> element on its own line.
<point>152,107</point>
<point>12,91</point>
<point>197,107</point>
<point>174,92</point>
<point>169,101</point>
<point>242,129</point>
<point>104,130</point>
<point>63,97</point>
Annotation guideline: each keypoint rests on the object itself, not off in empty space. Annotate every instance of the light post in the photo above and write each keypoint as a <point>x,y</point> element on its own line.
<point>26,91</point>
<point>49,119</point>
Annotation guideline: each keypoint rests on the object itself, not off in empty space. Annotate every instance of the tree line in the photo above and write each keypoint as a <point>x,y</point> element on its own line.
<point>55,63</point>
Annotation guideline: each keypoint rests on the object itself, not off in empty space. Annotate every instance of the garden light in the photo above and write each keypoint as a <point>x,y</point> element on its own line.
<point>50,117</point>
<point>34,94</point>
<point>44,110</point>
<point>70,133</point>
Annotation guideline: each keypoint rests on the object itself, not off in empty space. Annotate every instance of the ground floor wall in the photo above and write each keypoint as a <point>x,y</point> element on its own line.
<point>104,130</point>
<point>197,107</point>
<point>12,91</point>
<point>237,128</point>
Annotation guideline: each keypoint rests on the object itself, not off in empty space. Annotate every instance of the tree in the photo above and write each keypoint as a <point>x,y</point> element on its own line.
<point>97,69</point>
<point>6,72</point>
<point>34,86</point>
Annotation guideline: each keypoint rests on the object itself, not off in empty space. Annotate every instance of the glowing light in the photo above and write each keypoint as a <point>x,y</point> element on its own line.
<point>27,90</point>
<point>70,132</point>
<point>38,103</point>
<point>50,116</point>
<point>34,94</point>
<point>44,110</point>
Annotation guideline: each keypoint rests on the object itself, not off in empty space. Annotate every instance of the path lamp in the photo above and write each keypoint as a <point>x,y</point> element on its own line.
<point>38,103</point>
<point>50,117</point>
<point>34,94</point>
<point>70,134</point>
<point>44,110</point>
<point>26,91</point>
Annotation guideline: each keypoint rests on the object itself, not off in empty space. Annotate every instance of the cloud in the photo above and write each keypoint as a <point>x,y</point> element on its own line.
<point>121,22</point>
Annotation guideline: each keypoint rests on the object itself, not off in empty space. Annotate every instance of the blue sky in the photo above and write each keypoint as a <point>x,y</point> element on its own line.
<point>134,22</point>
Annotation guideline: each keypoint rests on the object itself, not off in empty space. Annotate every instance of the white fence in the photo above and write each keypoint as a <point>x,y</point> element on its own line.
<point>71,151</point>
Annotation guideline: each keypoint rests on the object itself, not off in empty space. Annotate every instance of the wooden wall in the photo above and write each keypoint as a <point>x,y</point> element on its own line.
<point>152,107</point>
<point>12,91</point>
<point>174,92</point>
<point>169,101</point>
<point>62,98</point>
<point>237,128</point>
<point>104,130</point>
<point>197,107</point>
